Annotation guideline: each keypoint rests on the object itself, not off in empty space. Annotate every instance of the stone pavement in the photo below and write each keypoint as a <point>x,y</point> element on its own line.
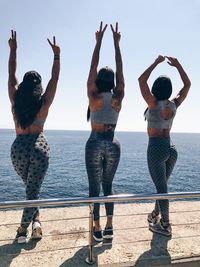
<point>65,238</point>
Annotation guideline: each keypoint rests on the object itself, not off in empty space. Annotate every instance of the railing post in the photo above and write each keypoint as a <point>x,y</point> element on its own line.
<point>90,258</point>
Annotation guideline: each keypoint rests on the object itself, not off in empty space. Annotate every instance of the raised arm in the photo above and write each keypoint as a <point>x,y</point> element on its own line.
<point>186,81</point>
<point>144,88</point>
<point>52,85</point>
<point>12,65</point>
<point>119,90</point>
<point>95,61</point>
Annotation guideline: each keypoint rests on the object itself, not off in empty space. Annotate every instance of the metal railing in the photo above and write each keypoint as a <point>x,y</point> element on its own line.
<point>91,201</point>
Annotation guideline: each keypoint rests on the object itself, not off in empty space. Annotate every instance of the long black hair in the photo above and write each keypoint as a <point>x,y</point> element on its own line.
<point>28,99</point>
<point>104,83</point>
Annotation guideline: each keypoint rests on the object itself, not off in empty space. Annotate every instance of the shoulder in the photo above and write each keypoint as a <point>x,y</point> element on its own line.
<point>154,104</point>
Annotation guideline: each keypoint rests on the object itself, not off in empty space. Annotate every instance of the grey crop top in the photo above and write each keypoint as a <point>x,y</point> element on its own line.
<point>106,115</point>
<point>154,118</point>
<point>38,122</point>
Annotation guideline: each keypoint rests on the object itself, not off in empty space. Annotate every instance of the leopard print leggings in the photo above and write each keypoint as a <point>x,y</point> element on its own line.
<point>30,158</point>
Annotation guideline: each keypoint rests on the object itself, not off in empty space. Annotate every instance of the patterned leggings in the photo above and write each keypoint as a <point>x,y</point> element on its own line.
<point>161,157</point>
<point>30,158</point>
<point>102,154</point>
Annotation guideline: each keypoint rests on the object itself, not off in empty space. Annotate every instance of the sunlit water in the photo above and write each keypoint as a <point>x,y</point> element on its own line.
<point>66,176</point>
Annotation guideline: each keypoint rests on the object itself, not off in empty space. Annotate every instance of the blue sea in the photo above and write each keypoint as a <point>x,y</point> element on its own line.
<point>66,176</point>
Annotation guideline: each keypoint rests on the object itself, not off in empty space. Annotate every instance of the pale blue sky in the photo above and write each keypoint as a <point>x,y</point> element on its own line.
<point>148,28</point>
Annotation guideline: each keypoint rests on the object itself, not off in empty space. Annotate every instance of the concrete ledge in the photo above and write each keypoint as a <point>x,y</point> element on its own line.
<point>65,238</point>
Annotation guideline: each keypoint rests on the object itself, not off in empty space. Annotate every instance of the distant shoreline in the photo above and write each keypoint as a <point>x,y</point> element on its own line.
<point>117,131</point>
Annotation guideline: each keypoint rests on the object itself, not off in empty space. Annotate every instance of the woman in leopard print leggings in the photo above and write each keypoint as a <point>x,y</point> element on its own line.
<point>30,151</point>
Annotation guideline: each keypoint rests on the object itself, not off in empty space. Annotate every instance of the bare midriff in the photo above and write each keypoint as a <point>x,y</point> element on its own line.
<point>32,129</point>
<point>152,132</point>
<point>102,128</point>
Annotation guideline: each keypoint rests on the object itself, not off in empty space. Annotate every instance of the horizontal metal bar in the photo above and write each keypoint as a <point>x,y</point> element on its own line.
<point>81,200</point>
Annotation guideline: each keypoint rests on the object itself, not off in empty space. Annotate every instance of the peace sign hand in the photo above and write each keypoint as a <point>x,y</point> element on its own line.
<point>13,40</point>
<point>116,34</point>
<point>55,48</point>
<point>99,34</point>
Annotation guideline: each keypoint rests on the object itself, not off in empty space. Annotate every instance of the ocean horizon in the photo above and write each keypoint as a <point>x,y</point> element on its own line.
<point>67,177</point>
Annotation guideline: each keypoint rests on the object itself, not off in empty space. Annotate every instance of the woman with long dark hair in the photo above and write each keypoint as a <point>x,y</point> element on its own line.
<point>30,150</point>
<point>161,153</point>
<point>102,151</point>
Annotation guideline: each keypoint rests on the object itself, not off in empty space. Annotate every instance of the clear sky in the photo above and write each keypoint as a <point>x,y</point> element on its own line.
<point>148,28</point>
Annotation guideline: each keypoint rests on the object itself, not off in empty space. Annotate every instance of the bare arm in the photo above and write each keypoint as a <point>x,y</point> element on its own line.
<point>144,88</point>
<point>119,90</point>
<point>95,61</point>
<point>12,65</point>
<point>52,85</point>
<point>186,81</point>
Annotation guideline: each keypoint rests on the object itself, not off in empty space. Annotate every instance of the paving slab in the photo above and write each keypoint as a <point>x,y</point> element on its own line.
<point>65,238</point>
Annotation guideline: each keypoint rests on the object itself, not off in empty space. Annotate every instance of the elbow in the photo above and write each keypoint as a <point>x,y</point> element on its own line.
<point>123,94</point>
<point>143,78</point>
<point>12,82</point>
<point>187,84</point>
<point>123,84</point>
<point>140,80</point>
<point>88,84</point>
<point>120,85</point>
<point>93,67</point>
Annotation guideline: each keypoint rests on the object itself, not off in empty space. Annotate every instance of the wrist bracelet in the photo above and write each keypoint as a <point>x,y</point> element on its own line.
<point>56,57</point>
